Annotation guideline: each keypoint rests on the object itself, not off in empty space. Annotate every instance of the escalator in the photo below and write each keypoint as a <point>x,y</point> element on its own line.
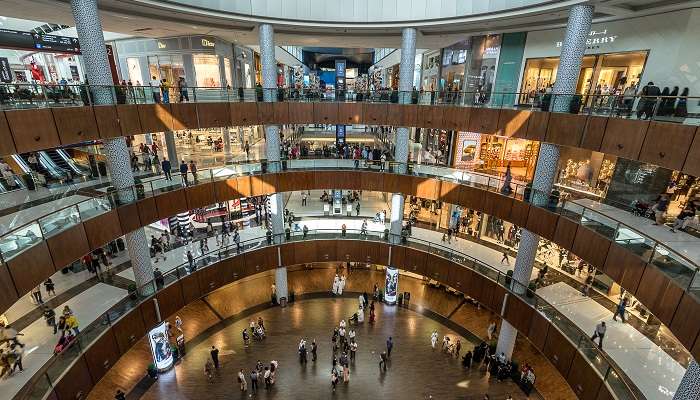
<point>47,167</point>
<point>61,158</point>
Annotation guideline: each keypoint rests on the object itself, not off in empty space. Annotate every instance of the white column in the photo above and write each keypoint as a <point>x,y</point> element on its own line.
<point>94,52</point>
<point>406,68</point>
<point>281,288</point>
<point>573,48</point>
<point>171,148</point>
<point>226,136</point>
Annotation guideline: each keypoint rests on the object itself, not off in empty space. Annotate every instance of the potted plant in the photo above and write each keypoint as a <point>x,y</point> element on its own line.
<point>133,295</point>
<point>152,371</point>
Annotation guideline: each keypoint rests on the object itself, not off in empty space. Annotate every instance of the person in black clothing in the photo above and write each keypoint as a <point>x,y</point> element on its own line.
<point>313,350</point>
<point>389,346</point>
<point>165,165</point>
<point>120,395</point>
<point>215,356</point>
<point>49,286</point>
<point>50,317</point>
<point>254,380</point>
<point>190,260</point>
<point>382,361</point>
<point>183,172</point>
<point>649,94</point>
<point>467,360</point>
<point>158,277</point>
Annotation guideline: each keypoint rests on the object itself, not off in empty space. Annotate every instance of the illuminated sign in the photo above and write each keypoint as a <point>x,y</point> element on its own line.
<point>162,45</point>
<point>207,43</point>
<point>391,285</point>
<point>160,347</point>
<point>597,38</point>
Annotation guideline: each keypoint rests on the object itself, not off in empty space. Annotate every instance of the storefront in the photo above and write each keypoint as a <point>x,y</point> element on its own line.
<point>431,71</point>
<point>584,173</point>
<point>203,61</point>
<point>661,48</point>
<point>493,154</point>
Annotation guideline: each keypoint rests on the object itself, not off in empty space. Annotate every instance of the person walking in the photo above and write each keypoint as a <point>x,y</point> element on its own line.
<point>334,379</point>
<point>215,356</point>
<point>193,171</point>
<point>50,287</point>
<point>599,333</point>
<point>165,165</point>
<point>389,346</point>
<point>254,380</point>
<point>620,310</point>
<point>433,339</point>
<point>313,350</point>
<point>241,380</point>
<point>183,172</point>
<point>505,258</point>
<point>491,330</point>
<point>382,361</point>
<point>304,196</point>
<point>190,260</point>
<point>357,208</point>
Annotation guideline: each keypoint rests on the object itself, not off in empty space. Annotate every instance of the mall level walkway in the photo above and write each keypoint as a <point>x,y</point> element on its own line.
<point>654,372</point>
<point>40,341</point>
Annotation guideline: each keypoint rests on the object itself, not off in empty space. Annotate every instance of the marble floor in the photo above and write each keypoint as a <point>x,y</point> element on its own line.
<point>40,341</point>
<point>655,373</point>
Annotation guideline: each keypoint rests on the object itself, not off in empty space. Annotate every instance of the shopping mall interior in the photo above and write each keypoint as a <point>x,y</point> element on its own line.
<point>428,199</point>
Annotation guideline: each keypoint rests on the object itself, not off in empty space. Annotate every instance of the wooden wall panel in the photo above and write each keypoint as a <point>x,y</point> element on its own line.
<point>128,217</point>
<point>519,212</point>
<point>474,198</point>
<point>537,125</point>
<point>437,268</point>
<point>565,232</point>
<point>394,183</point>
<point>542,222</point>
<point>107,121</point>
<point>129,121</point>
<point>76,383</point>
<point>425,188</point>
<point>297,180</point>
<point>498,294</point>
<point>266,114</point>
<point>200,195</point>
<point>484,120</point>
<point>103,228</point>
<point>657,292</point>
<point>519,314</point>
<point>666,144</point>
<point>226,189</point>
<point>409,114</point>
<point>184,116</point>
<point>211,278</point>
<point>29,268</point>
<point>301,113</point>
<point>75,124</point>
<point>583,379</point>
<point>280,112</point>
<point>244,114</point>
<point>7,288</point>
<point>684,324</point>
<point>394,114</point>
<point>190,288</point>
<point>539,327</point>
<point>374,113</point>
<point>32,129</point>
<point>372,181</point>
<point>171,203</point>
<point>102,355</point>
<point>398,257</point>
<point>350,113</point>
<point>605,393</point>
<point>624,137</point>
<point>326,112</point>
<point>7,144</point>
<point>692,161</point>
<point>244,185</point>
<point>128,330</point>
<point>429,116</point>
<point>559,351</point>
<point>594,132</point>
<point>155,117</point>
<point>415,261</point>
<point>513,123</point>
<point>234,268</point>
<point>264,184</point>
<point>450,192</point>
<point>332,250</point>
<point>501,206</point>
<point>455,118</point>
<point>213,115</point>
<point>170,300</point>
<point>565,129</point>
<point>148,314</point>
<point>305,252</point>
<point>624,267</point>
<point>148,212</point>
<point>591,246</point>
<point>68,246</point>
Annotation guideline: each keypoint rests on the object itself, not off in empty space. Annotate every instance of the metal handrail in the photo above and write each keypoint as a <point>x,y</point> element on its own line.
<point>579,338</point>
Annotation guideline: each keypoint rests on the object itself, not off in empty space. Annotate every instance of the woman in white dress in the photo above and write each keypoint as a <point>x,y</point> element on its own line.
<point>336,283</point>
<point>341,285</point>
<point>434,338</point>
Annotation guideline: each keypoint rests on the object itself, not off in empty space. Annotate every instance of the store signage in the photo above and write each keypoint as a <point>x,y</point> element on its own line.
<point>162,45</point>
<point>17,39</point>
<point>340,135</point>
<point>207,43</point>
<point>391,285</point>
<point>56,43</point>
<point>160,347</point>
<point>597,38</point>
<point>5,70</point>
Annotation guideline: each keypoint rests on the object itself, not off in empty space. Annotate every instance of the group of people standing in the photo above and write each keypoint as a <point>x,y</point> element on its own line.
<point>338,285</point>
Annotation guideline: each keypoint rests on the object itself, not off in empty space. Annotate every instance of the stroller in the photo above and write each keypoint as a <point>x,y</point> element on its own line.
<point>642,209</point>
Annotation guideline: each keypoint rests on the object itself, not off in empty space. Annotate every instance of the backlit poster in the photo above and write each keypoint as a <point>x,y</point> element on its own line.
<point>391,285</point>
<point>467,150</point>
<point>160,347</point>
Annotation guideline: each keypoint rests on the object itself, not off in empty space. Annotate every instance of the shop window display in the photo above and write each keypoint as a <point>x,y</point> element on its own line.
<point>493,154</point>
<point>584,173</point>
<point>206,69</point>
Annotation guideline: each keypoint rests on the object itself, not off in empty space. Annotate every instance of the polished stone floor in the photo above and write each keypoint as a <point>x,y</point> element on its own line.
<point>416,371</point>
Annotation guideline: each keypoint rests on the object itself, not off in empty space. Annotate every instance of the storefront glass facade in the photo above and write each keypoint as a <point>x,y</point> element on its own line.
<point>493,154</point>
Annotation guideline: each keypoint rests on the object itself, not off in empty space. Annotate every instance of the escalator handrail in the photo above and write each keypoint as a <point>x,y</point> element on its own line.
<point>50,166</point>
<point>71,163</point>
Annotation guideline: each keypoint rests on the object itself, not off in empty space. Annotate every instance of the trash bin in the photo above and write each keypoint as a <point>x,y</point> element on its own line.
<point>283,302</point>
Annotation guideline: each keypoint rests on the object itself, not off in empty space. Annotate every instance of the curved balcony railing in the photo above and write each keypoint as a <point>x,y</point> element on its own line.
<point>664,108</point>
<point>620,384</point>
<point>679,267</point>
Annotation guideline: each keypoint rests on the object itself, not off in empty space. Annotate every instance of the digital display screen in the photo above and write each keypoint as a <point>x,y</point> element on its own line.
<point>56,43</point>
<point>391,285</point>
<point>16,39</point>
<point>340,134</point>
<point>160,347</point>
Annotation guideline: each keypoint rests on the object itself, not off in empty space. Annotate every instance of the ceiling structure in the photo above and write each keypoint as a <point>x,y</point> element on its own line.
<point>167,18</point>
